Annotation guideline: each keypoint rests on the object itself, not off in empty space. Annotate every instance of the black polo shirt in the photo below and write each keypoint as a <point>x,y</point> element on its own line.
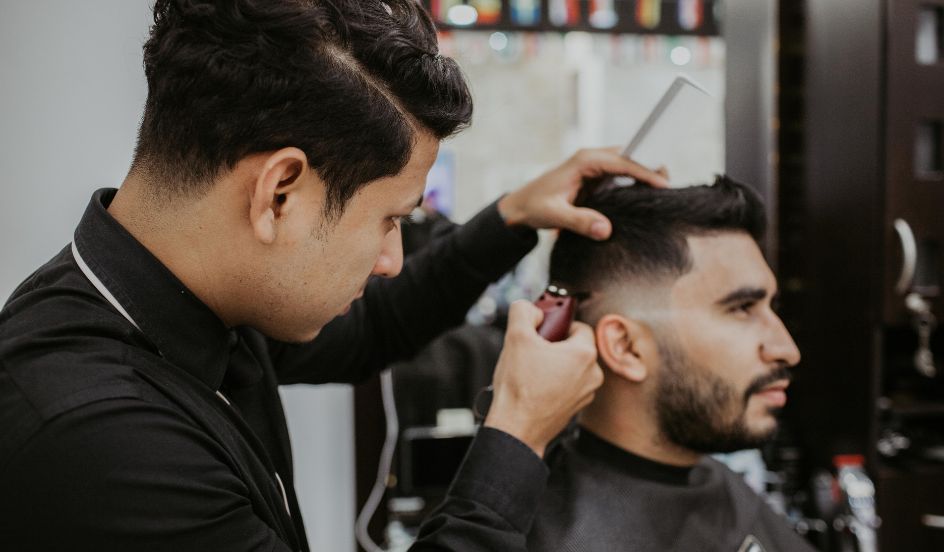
<point>159,428</point>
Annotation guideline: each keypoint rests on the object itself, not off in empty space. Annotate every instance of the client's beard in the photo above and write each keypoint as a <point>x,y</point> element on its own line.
<point>694,407</point>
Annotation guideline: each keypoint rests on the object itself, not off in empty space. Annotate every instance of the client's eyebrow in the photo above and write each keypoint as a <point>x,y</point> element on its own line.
<point>743,295</point>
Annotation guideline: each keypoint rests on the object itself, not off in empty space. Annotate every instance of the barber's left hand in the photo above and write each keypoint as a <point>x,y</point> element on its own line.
<point>548,201</point>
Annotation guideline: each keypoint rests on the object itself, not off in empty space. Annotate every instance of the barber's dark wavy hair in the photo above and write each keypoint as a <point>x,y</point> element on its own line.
<point>349,82</point>
<point>650,227</point>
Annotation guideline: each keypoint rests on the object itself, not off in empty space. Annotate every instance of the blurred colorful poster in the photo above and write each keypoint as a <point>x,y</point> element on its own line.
<point>525,12</point>
<point>439,9</point>
<point>603,14</point>
<point>649,13</point>
<point>691,14</point>
<point>564,13</point>
<point>489,11</point>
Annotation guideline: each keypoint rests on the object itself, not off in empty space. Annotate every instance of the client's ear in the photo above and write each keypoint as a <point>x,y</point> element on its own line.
<point>618,343</point>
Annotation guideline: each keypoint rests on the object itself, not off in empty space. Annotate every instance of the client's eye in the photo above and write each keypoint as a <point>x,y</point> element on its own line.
<point>744,307</point>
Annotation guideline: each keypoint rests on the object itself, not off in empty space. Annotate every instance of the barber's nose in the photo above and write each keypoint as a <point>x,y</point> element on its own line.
<point>779,346</point>
<point>390,261</point>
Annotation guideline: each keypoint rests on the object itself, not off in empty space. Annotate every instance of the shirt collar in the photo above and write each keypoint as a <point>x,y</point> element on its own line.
<point>596,447</point>
<point>183,329</point>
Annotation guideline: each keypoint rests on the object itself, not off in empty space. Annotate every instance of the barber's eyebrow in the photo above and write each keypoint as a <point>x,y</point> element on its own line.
<point>743,295</point>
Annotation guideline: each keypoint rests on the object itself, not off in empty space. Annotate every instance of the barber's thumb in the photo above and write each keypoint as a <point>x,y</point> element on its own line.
<point>589,223</point>
<point>580,331</point>
<point>524,315</point>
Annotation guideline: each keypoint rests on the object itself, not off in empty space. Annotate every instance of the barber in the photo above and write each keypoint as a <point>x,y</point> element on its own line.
<point>282,144</point>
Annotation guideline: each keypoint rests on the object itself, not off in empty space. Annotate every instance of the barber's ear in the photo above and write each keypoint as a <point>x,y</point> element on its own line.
<point>618,343</point>
<point>274,191</point>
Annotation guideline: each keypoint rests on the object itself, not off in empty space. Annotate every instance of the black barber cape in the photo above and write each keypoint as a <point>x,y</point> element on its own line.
<point>172,436</point>
<point>602,498</point>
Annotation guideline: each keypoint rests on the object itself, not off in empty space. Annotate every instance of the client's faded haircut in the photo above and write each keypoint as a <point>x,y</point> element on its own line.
<point>650,231</point>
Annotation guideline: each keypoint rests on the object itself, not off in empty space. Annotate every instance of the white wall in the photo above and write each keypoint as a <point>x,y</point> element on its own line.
<point>546,95</point>
<point>71,93</point>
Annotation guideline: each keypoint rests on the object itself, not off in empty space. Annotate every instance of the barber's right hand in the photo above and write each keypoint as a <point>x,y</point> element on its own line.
<point>538,385</point>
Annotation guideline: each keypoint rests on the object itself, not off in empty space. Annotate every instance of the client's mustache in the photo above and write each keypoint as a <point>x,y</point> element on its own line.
<point>782,372</point>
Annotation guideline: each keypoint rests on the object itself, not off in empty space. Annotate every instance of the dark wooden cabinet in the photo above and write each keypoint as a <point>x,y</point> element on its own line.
<point>913,510</point>
<point>914,116</point>
<point>860,176</point>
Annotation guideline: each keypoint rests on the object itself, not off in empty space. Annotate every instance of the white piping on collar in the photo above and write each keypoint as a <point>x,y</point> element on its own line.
<point>284,494</point>
<point>101,286</point>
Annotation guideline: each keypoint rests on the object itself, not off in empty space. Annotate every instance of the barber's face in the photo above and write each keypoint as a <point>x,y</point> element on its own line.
<point>725,355</point>
<point>324,266</point>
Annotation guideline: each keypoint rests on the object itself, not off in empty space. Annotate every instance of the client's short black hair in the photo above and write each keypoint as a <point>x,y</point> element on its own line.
<point>650,227</point>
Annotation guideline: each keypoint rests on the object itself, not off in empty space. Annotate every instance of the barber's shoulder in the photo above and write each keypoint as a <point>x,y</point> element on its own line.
<point>59,365</point>
<point>61,348</point>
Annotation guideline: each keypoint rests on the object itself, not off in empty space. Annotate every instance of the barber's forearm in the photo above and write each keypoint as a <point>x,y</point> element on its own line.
<point>492,501</point>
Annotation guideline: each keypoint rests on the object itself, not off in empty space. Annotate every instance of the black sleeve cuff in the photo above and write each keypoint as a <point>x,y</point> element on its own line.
<point>504,475</point>
<point>486,240</point>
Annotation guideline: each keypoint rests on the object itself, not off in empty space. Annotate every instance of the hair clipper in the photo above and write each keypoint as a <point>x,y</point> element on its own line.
<point>560,307</point>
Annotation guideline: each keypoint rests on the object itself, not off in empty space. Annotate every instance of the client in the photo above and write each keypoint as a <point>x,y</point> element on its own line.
<point>696,361</point>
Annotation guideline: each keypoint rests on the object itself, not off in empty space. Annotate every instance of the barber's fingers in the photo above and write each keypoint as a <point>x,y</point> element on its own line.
<point>588,397</point>
<point>582,342</point>
<point>603,161</point>
<point>582,335</point>
<point>523,318</point>
<point>586,222</point>
<point>581,331</point>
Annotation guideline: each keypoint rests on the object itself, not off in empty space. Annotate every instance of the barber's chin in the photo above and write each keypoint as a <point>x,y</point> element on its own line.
<point>301,339</point>
<point>294,338</point>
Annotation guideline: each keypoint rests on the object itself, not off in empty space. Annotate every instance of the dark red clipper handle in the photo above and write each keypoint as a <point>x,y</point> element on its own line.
<point>559,311</point>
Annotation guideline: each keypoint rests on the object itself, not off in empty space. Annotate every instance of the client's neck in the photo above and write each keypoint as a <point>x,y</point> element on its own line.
<point>632,426</point>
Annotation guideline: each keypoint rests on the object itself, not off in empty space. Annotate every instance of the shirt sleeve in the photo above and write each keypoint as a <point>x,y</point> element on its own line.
<point>121,475</point>
<point>491,502</point>
<point>397,317</point>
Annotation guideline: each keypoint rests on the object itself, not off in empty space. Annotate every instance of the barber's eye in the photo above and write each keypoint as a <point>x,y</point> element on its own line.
<point>401,219</point>
<point>398,221</point>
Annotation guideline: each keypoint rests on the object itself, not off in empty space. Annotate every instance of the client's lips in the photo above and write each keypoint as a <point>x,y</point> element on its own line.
<point>775,394</point>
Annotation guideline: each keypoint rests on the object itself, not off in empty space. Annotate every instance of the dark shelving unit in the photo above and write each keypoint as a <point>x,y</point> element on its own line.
<point>857,113</point>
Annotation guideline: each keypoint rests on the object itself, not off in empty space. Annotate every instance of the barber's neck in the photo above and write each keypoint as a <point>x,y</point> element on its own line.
<point>184,235</point>
<point>625,419</point>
